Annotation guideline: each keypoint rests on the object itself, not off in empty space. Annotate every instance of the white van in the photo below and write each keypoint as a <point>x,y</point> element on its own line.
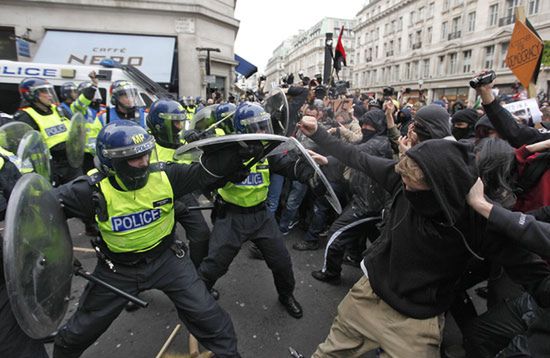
<point>11,74</point>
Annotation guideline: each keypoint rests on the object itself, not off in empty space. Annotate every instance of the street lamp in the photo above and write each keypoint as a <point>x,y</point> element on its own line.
<point>207,65</point>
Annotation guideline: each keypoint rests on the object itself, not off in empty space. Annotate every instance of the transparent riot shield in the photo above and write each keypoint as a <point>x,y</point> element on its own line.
<point>276,105</point>
<point>34,154</point>
<point>76,141</point>
<point>38,256</point>
<point>204,118</point>
<point>12,133</point>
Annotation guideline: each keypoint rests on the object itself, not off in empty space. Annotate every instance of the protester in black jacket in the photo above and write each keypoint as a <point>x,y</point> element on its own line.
<point>505,125</point>
<point>412,269</point>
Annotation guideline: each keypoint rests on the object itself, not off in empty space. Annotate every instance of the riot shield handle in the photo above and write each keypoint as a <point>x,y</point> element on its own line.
<point>79,271</point>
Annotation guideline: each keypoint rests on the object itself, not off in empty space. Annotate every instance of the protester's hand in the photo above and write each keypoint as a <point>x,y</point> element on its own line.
<point>476,199</point>
<point>308,125</point>
<point>318,158</point>
<point>404,144</point>
<point>539,147</point>
<point>389,107</point>
<point>485,91</point>
<point>331,130</point>
<point>93,77</point>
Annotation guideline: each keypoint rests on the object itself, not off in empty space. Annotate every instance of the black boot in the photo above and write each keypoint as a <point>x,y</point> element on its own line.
<point>292,306</point>
<point>333,279</point>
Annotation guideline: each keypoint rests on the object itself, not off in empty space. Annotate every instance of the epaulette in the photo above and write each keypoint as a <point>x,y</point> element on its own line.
<point>95,177</point>
<point>157,167</point>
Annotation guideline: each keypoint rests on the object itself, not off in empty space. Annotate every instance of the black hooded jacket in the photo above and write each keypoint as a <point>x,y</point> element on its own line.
<point>432,121</point>
<point>416,263</point>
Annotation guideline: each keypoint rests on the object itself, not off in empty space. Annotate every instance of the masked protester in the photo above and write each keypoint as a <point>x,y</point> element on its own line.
<point>463,124</point>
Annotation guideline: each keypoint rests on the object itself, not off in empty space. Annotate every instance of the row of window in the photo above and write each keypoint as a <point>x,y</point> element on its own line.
<point>454,30</point>
<point>449,64</point>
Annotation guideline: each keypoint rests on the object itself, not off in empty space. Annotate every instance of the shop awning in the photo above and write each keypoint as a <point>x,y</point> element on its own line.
<point>244,67</point>
<point>153,55</point>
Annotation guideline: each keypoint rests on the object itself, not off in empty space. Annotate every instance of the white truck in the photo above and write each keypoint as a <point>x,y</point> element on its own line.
<point>11,74</point>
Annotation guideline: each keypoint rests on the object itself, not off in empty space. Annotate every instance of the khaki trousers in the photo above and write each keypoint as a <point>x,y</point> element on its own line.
<point>365,322</point>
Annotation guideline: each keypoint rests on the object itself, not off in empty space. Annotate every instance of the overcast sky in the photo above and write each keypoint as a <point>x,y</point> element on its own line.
<point>266,23</point>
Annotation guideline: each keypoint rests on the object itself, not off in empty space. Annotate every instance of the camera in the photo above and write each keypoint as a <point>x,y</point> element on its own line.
<point>320,92</point>
<point>483,79</point>
<point>388,91</point>
<point>341,87</point>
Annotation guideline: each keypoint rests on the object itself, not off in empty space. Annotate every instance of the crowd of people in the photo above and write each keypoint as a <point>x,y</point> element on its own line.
<point>436,198</point>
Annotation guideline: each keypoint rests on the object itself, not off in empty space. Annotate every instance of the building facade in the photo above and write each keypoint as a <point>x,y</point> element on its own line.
<point>305,51</point>
<point>439,45</point>
<point>174,27</point>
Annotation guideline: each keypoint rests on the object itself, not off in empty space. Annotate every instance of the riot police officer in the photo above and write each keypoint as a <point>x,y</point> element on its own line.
<point>68,93</point>
<point>41,114</point>
<point>240,214</point>
<point>133,203</point>
<point>126,103</point>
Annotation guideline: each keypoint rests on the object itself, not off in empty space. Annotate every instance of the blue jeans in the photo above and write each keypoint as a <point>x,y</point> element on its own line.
<point>274,193</point>
<point>295,197</point>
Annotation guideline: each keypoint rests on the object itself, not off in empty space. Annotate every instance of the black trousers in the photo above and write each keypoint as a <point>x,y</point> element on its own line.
<point>338,240</point>
<point>196,228</point>
<point>233,228</point>
<point>504,328</point>
<point>14,343</point>
<point>176,277</point>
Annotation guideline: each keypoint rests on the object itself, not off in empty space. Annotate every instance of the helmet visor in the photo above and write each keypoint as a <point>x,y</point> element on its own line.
<point>128,96</point>
<point>45,94</point>
<point>258,124</point>
<point>130,151</point>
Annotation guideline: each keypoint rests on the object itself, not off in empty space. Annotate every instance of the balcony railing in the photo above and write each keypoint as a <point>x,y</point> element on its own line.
<point>455,35</point>
<point>389,53</point>
<point>503,21</point>
<point>368,59</point>
<point>417,45</point>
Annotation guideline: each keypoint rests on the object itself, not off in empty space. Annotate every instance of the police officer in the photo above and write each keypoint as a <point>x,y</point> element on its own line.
<point>165,120</point>
<point>68,93</point>
<point>133,204</point>
<point>41,114</point>
<point>240,214</point>
<point>126,103</point>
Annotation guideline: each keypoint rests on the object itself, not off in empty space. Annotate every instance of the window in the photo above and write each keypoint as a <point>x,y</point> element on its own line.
<point>407,70</point>
<point>430,10</point>
<point>392,26</point>
<point>503,53</point>
<point>453,63</point>
<point>398,49</point>
<point>400,23</point>
<point>376,51</point>
<point>426,68</point>
<point>411,18</point>
<point>421,14</point>
<point>396,73</point>
<point>414,70</point>
<point>446,4</point>
<point>510,6</point>
<point>533,6</point>
<point>489,54</point>
<point>440,65</point>
<point>467,60</point>
<point>429,35</point>
<point>386,28</point>
<point>444,30</point>
<point>418,37</point>
<point>410,41</point>
<point>455,29</point>
<point>493,14</point>
<point>472,21</point>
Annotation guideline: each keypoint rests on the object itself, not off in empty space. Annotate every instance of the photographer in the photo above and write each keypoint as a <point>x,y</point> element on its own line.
<point>348,128</point>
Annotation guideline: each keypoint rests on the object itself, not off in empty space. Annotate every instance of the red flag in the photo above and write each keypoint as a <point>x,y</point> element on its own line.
<point>339,53</point>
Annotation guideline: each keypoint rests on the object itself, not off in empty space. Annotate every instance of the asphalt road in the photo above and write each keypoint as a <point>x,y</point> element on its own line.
<point>263,327</point>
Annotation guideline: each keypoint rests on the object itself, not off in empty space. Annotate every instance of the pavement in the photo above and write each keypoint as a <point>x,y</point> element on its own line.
<point>263,327</point>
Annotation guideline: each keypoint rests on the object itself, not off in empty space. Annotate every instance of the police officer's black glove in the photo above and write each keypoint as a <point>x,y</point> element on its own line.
<point>222,163</point>
<point>192,135</point>
<point>238,176</point>
<point>251,150</point>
